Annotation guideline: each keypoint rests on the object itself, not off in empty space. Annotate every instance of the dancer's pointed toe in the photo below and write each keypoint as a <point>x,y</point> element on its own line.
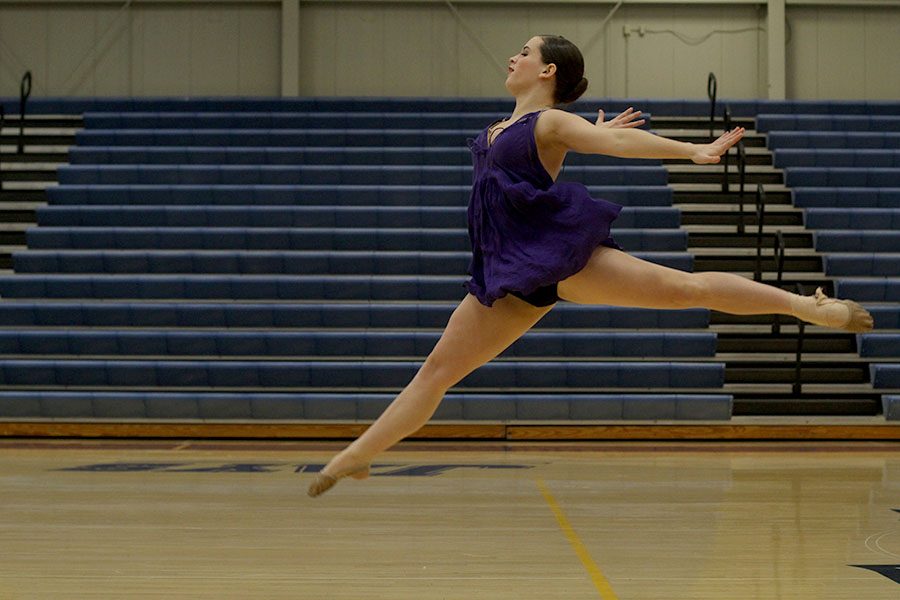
<point>321,484</point>
<point>857,320</point>
<point>324,481</point>
<point>819,309</point>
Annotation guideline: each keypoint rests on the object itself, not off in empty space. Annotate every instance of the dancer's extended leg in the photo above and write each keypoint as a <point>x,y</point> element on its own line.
<point>616,278</point>
<point>474,335</point>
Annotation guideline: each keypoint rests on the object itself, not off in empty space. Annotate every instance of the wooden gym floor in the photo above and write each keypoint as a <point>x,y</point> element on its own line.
<point>642,521</point>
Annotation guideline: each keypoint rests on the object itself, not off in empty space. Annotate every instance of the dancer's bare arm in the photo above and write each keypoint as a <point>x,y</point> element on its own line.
<point>576,134</point>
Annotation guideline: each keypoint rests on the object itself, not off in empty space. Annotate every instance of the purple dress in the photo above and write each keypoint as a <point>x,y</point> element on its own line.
<point>527,232</point>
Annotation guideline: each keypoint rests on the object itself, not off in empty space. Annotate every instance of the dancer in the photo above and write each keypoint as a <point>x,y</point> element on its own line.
<point>535,241</point>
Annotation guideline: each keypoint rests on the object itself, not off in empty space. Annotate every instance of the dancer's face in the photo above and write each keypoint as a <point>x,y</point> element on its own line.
<point>527,67</point>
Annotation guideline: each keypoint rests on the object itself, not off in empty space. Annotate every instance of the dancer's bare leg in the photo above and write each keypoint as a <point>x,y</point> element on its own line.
<point>474,335</point>
<point>616,278</point>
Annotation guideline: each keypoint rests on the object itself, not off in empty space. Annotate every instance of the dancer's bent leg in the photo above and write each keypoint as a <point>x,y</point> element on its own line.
<point>616,278</point>
<point>474,335</point>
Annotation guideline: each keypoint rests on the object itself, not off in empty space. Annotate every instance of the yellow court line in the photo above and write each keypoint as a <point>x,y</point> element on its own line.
<point>600,582</point>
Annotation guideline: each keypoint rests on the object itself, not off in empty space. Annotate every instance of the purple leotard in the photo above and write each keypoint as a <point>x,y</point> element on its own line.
<point>527,232</point>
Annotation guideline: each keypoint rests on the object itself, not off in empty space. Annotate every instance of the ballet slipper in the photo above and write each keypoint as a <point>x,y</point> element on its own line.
<point>325,481</point>
<point>819,309</point>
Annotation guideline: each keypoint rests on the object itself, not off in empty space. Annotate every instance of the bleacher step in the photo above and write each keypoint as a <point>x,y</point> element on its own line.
<point>687,187</point>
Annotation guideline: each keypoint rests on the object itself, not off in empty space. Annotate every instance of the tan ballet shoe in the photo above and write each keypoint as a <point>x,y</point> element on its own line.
<point>819,309</point>
<point>324,482</point>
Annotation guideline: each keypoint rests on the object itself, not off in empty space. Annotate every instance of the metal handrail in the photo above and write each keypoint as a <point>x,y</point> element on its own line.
<point>24,94</point>
<point>760,219</point>
<point>801,334</point>
<point>779,252</point>
<point>2,120</point>
<point>742,164</point>
<point>711,86</point>
<point>727,117</point>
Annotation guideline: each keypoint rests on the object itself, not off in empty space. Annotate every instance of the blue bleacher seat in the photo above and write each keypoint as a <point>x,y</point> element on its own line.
<point>659,240</point>
<point>871,140</point>
<point>846,158</point>
<point>852,218</point>
<point>831,240</point>
<point>175,155</point>
<point>302,216</point>
<point>331,175</point>
<point>869,289</point>
<point>341,343</point>
<point>864,264</point>
<point>885,375</point>
<point>829,122</point>
<point>498,106</point>
<point>891,407</point>
<point>20,313</point>
<point>270,262</point>
<point>339,195</point>
<point>583,376</point>
<point>879,344</point>
<point>301,120</point>
<point>844,197</point>
<point>841,177</point>
<point>352,406</point>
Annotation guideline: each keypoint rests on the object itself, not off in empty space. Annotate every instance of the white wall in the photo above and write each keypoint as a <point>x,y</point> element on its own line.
<point>843,52</point>
<point>146,49</point>
<point>420,48</point>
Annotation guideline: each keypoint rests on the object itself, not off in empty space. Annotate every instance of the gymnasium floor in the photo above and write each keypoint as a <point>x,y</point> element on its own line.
<point>141,519</point>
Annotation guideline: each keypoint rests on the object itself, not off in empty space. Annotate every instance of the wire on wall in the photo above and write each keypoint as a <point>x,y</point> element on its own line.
<point>690,41</point>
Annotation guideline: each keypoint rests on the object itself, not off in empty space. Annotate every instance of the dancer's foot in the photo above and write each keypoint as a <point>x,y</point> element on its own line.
<point>830,312</point>
<point>342,465</point>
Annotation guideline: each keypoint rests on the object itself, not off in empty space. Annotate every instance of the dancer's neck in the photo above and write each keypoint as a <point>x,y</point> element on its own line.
<point>529,103</point>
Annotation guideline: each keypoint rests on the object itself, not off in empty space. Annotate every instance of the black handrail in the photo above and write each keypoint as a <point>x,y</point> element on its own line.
<point>801,334</point>
<point>779,252</point>
<point>24,94</point>
<point>711,86</point>
<point>2,121</point>
<point>742,164</point>
<point>760,219</point>
<point>727,152</point>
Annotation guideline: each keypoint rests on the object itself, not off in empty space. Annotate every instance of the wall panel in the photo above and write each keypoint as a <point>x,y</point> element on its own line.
<point>106,49</point>
<point>420,48</point>
<point>843,53</point>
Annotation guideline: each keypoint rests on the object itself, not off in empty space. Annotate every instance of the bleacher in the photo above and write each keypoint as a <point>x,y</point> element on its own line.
<point>298,261</point>
<point>845,172</point>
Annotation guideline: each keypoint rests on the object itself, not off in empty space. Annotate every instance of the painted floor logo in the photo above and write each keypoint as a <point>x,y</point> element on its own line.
<point>378,470</point>
<point>892,572</point>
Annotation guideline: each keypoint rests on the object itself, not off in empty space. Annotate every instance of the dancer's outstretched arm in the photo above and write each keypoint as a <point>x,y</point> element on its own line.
<point>571,132</point>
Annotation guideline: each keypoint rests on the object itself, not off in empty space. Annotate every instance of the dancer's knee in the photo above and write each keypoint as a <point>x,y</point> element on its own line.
<point>438,374</point>
<point>690,291</point>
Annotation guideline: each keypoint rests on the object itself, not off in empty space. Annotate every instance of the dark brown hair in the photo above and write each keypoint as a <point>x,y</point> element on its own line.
<point>570,81</point>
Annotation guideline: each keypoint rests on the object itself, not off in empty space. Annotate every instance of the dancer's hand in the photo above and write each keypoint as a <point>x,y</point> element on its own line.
<point>709,153</point>
<point>623,120</point>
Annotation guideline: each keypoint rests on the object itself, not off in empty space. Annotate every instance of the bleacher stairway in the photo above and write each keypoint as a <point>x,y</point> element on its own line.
<point>25,175</point>
<point>761,369</point>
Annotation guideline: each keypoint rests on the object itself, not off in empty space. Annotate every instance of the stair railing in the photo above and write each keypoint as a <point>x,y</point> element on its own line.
<point>779,252</point>
<point>2,122</point>
<point>24,94</point>
<point>760,220</point>
<point>742,165</point>
<point>727,152</point>
<point>797,388</point>
<point>711,86</point>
